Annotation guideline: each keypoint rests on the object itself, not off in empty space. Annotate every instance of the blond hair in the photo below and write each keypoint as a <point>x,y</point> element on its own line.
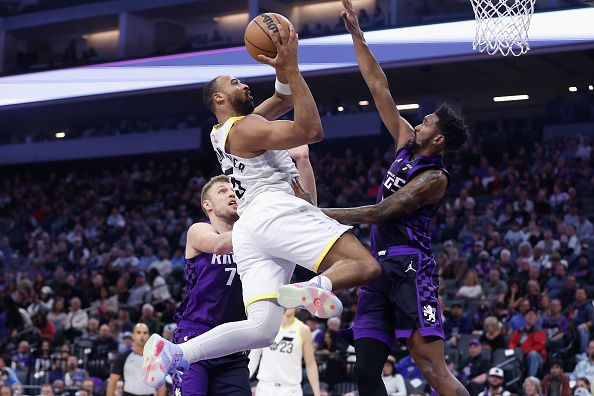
<point>204,195</point>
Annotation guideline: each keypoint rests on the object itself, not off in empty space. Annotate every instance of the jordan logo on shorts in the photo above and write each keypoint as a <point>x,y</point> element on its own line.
<point>410,267</point>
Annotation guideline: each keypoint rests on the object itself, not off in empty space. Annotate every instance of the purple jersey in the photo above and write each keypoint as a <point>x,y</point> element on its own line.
<point>213,292</point>
<point>412,229</point>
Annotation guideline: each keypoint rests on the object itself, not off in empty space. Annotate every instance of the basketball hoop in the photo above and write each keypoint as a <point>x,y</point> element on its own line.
<point>502,26</point>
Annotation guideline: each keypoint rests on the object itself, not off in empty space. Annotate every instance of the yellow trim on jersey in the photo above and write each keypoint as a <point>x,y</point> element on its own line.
<point>218,126</point>
<point>298,331</point>
<point>260,297</point>
<point>325,252</point>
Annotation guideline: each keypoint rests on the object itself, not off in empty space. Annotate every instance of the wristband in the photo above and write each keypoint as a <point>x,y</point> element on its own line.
<point>284,89</point>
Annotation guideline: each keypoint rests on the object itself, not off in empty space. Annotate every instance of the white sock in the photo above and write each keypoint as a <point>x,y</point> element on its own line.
<point>324,281</point>
<point>258,331</point>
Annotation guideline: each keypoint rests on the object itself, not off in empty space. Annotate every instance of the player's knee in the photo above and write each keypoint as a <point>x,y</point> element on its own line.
<point>371,270</point>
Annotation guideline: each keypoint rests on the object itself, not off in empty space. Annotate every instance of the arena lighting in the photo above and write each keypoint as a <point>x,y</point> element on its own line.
<point>591,87</point>
<point>363,102</point>
<point>60,135</point>
<point>572,89</point>
<point>340,108</point>
<point>510,98</point>
<point>412,106</point>
<point>408,44</point>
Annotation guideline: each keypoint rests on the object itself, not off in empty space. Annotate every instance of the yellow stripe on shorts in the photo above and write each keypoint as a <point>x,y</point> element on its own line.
<point>325,252</point>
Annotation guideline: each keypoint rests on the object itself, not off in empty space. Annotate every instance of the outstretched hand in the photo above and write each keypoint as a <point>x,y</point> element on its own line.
<point>351,22</point>
<point>300,192</point>
<point>286,47</point>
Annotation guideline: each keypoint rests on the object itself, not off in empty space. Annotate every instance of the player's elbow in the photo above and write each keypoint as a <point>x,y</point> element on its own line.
<point>316,134</point>
<point>222,248</point>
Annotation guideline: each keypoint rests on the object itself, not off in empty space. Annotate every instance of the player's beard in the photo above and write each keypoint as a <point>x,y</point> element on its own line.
<point>243,106</point>
<point>412,146</point>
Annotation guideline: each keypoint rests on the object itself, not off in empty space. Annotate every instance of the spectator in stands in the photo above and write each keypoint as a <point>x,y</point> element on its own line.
<point>7,374</point>
<point>23,361</point>
<point>464,202</point>
<point>76,320</point>
<point>585,367</point>
<point>116,219</point>
<point>46,390</point>
<point>57,315</point>
<point>43,358</point>
<point>147,258</point>
<point>581,316</point>
<point>148,317</point>
<point>495,383</point>
<point>567,294</point>
<point>472,290</point>
<point>393,381</point>
<point>473,370</point>
<point>163,265</point>
<point>585,230</point>
<point>160,291</point>
<point>456,323</point>
<point>532,341</point>
<point>556,326</point>
<point>583,271</point>
<point>128,368</point>
<point>408,368</point>
<point>513,297</point>
<point>555,284</point>
<point>492,336</point>
<point>104,344</point>
<point>141,292</point>
<point>582,392</point>
<point>532,386</point>
<point>518,321</point>
<point>74,376</point>
<point>106,305</point>
<point>5,390</point>
<point>127,343</point>
<point>333,352</point>
<point>89,386</point>
<point>494,289</point>
<point>556,383</point>
<point>548,244</point>
<point>584,383</point>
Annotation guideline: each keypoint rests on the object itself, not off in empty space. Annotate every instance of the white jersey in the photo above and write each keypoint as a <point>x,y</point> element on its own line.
<point>273,170</point>
<point>281,361</point>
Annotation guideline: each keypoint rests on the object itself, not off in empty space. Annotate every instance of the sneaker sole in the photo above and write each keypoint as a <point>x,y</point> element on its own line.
<point>152,368</point>
<point>317,301</point>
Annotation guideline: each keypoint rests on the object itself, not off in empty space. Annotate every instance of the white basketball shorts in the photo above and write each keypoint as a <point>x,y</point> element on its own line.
<point>276,231</point>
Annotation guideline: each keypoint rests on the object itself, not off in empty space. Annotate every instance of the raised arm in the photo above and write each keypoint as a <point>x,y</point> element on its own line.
<point>426,188</point>
<point>278,104</point>
<point>203,238</point>
<point>307,179</point>
<point>376,80</point>
<point>254,133</point>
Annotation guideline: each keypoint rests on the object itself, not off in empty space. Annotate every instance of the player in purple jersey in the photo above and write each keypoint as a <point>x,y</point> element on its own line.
<point>403,302</point>
<point>212,296</point>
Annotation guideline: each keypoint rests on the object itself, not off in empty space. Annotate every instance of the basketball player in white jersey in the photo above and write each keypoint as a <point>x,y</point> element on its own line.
<point>276,229</point>
<point>280,364</point>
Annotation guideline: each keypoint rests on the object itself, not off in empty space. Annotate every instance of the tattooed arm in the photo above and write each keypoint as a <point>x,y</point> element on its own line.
<point>426,188</point>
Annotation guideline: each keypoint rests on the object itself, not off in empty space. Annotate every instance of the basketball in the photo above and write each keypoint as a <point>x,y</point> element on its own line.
<point>256,38</point>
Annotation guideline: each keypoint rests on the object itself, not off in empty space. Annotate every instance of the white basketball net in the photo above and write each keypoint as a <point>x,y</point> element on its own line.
<point>502,25</point>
